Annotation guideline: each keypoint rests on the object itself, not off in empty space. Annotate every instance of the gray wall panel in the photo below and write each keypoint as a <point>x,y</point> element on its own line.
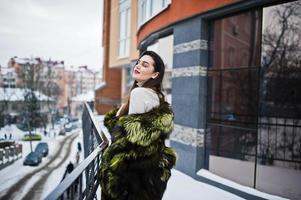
<point>187,31</point>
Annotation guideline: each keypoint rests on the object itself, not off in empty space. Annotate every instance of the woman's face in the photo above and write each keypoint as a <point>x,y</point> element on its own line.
<point>144,69</point>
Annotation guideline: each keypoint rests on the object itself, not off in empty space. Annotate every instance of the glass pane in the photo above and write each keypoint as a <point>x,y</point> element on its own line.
<point>127,47</point>
<point>235,41</point>
<point>123,24</point>
<point>233,142</point>
<point>280,94</point>
<point>234,97</point>
<point>143,11</point>
<point>121,48</point>
<point>233,85</point>
<point>128,22</point>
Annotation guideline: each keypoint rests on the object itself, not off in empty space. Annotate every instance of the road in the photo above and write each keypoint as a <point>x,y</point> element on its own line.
<point>36,190</point>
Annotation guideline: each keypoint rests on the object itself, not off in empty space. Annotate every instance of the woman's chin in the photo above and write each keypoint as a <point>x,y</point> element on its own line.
<point>135,77</point>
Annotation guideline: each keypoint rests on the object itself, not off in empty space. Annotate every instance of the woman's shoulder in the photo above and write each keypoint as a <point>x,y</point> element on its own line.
<point>142,100</point>
<point>144,94</point>
<point>143,91</point>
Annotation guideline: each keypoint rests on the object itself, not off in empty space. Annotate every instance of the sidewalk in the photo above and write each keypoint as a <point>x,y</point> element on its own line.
<point>183,187</point>
<point>208,187</point>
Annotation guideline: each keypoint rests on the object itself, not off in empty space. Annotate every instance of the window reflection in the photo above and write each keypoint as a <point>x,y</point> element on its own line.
<point>233,77</point>
<point>280,100</point>
<point>255,86</point>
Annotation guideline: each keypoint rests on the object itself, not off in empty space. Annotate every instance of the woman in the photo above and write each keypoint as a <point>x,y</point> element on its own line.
<point>137,164</point>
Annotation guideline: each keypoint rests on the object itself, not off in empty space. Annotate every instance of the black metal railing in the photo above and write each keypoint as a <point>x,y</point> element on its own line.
<point>279,142</point>
<point>83,182</point>
<point>273,140</point>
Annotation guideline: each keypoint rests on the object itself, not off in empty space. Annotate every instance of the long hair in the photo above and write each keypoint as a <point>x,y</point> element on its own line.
<point>155,84</point>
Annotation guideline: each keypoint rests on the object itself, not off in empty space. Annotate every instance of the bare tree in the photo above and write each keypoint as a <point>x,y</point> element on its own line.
<point>30,76</point>
<point>48,85</point>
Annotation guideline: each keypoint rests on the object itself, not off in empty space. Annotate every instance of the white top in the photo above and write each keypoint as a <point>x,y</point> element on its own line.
<point>143,100</point>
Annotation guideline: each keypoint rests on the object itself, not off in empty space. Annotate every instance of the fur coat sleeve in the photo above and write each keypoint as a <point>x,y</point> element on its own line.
<point>138,153</point>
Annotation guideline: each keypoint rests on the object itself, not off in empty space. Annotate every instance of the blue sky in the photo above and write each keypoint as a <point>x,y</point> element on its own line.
<point>69,30</point>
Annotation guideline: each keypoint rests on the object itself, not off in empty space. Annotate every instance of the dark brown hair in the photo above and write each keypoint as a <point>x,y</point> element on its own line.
<point>155,84</point>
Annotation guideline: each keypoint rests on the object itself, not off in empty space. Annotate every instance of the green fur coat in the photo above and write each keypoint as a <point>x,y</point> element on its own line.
<point>136,166</point>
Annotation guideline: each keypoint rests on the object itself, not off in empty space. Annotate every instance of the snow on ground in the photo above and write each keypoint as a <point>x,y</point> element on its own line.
<point>17,134</point>
<point>56,176</point>
<point>19,171</point>
<point>8,179</point>
<point>181,186</point>
<point>216,178</point>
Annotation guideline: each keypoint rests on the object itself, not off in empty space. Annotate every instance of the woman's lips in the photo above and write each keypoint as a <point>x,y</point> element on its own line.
<point>136,71</point>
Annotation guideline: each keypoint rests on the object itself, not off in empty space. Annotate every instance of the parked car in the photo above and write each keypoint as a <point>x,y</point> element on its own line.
<point>68,127</point>
<point>42,148</point>
<point>62,131</point>
<point>32,159</point>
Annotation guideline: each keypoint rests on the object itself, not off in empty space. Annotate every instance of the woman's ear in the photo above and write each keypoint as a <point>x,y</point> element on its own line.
<point>155,75</point>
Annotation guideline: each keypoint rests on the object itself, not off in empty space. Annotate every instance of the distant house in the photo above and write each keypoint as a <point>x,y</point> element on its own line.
<point>8,77</point>
<point>49,73</point>
<point>12,104</point>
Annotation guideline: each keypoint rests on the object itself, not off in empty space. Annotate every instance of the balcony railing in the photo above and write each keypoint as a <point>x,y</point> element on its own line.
<point>83,182</point>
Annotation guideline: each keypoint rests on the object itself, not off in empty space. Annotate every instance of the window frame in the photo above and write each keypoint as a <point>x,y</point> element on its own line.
<point>124,29</point>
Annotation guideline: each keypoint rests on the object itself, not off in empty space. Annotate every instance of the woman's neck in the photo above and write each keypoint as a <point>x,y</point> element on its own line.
<point>140,83</point>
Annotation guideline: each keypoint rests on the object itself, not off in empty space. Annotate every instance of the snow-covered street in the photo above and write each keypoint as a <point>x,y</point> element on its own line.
<point>47,175</point>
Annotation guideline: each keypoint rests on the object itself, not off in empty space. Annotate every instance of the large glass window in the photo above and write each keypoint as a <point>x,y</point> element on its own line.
<point>280,94</point>
<point>124,27</point>
<point>254,85</point>
<point>233,79</point>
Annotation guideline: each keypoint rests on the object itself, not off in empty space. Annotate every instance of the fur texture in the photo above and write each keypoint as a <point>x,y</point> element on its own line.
<point>137,164</point>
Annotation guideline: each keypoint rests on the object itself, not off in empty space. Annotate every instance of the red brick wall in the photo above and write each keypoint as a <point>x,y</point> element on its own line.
<point>108,97</point>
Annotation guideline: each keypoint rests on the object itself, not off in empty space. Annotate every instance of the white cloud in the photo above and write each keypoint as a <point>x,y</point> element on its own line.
<point>67,30</point>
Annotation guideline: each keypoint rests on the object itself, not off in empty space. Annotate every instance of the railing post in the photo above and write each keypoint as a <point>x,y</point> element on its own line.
<point>80,186</point>
<point>1,156</point>
<point>72,190</point>
<point>91,104</point>
<point>7,153</point>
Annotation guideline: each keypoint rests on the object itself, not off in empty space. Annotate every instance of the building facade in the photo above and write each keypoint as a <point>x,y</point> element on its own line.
<point>233,79</point>
<point>108,95</point>
<point>122,19</point>
<point>8,77</point>
<point>235,89</point>
<point>13,104</point>
<point>49,77</point>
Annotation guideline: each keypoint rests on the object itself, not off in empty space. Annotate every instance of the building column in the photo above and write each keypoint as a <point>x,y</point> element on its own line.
<point>189,89</point>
